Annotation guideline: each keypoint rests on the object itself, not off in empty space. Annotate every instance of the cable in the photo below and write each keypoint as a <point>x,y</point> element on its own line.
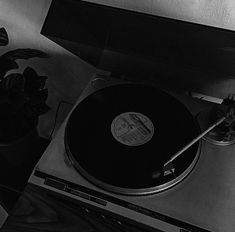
<point>11,189</point>
<point>56,115</point>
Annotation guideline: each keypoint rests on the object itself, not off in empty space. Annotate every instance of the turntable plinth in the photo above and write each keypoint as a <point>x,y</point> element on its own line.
<point>204,200</point>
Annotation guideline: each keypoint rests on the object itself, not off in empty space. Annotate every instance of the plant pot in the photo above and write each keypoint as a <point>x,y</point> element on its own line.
<point>19,151</point>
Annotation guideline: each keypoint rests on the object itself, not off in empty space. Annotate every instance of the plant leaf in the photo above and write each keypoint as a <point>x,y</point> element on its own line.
<point>30,72</point>
<point>13,82</point>
<point>39,97</point>
<point>33,82</point>
<point>41,109</point>
<point>16,101</point>
<point>42,81</point>
<point>25,53</point>
<point>6,65</point>
<point>3,37</point>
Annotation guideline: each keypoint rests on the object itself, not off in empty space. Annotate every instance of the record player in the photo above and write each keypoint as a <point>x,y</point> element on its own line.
<point>118,135</point>
<point>110,151</point>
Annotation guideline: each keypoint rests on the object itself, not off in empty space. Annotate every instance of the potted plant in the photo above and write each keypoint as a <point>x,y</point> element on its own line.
<point>22,100</point>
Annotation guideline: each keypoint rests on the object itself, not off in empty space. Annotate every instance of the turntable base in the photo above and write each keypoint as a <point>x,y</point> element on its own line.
<point>130,139</point>
<point>202,201</point>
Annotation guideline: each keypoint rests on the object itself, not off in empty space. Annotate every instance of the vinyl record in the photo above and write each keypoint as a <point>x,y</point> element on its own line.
<point>118,136</point>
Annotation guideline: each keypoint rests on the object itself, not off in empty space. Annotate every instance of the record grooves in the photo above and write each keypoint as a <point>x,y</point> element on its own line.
<point>119,135</point>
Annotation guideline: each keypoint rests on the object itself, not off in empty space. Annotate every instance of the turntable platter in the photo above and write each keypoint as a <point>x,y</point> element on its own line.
<point>119,135</point>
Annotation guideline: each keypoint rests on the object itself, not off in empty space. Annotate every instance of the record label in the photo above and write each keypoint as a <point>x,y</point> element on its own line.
<point>132,128</point>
